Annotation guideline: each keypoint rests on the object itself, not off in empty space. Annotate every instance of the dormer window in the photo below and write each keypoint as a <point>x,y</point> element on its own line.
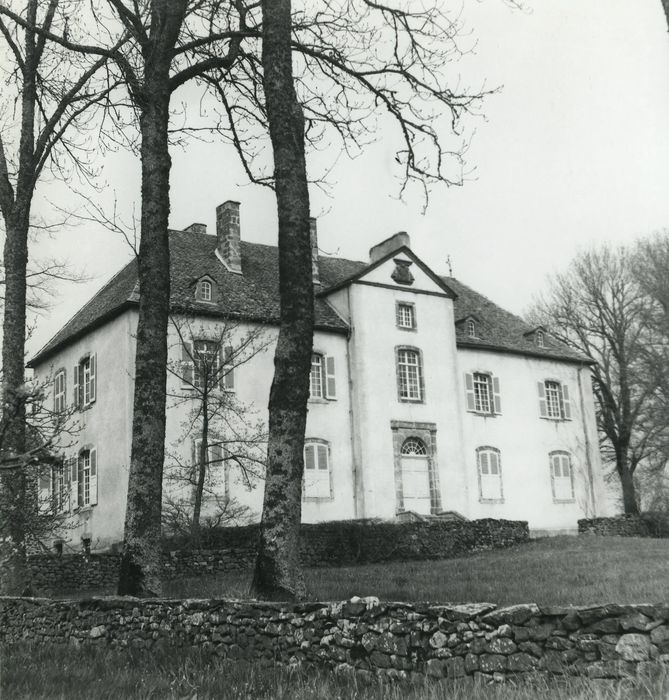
<point>471,328</point>
<point>204,290</point>
<point>539,336</point>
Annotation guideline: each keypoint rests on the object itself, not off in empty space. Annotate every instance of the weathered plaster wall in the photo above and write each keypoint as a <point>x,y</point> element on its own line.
<point>362,635</point>
<point>525,441</point>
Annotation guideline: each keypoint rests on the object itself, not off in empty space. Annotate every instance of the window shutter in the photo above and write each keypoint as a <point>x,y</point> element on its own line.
<point>94,366</point>
<point>566,403</point>
<point>322,457</point>
<point>330,383</point>
<point>93,491</point>
<point>543,410</point>
<point>67,480</point>
<point>75,398</point>
<point>216,452</point>
<point>186,365</point>
<point>309,457</point>
<point>229,376</point>
<point>45,490</point>
<point>74,482</point>
<point>555,463</point>
<point>80,480</point>
<point>497,399</point>
<point>469,392</point>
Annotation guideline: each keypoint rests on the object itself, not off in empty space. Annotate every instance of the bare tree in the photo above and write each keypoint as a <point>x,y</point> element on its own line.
<point>53,98</point>
<point>598,308</point>
<point>224,432</point>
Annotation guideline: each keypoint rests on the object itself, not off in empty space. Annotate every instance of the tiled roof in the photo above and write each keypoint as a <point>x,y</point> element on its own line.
<point>498,329</point>
<point>254,296</point>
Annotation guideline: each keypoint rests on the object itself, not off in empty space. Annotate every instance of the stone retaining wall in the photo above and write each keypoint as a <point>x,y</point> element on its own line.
<point>643,525</point>
<point>363,635</point>
<point>324,544</point>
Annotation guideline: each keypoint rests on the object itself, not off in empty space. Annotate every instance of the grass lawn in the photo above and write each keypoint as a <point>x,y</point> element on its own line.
<point>99,673</point>
<point>555,571</point>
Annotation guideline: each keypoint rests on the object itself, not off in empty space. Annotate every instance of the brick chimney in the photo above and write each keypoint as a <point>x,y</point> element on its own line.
<point>228,248</point>
<point>313,234</point>
<point>200,229</point>
<point>380,250</point>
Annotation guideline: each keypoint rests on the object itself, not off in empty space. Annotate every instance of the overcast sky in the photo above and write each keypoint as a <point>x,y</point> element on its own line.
<point>573,150</point>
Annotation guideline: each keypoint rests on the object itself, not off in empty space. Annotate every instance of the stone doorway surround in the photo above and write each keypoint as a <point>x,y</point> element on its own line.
<point>427,433</point>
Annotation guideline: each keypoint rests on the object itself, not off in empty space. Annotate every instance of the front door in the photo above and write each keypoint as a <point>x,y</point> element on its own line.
<point>415,476</point>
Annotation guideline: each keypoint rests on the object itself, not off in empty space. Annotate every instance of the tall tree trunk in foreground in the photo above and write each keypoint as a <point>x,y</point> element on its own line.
<point>140,573</point>
<point>277,573</point>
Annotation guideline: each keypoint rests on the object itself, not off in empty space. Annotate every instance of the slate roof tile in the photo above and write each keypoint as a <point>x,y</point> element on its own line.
<point>253,296</point>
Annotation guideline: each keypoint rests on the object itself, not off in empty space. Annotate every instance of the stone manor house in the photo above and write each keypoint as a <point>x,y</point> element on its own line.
<point>426,397</point>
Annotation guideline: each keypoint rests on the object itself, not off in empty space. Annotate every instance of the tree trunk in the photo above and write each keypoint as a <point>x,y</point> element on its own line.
<point>665,5</point>
<point>14,571</point>
<point>277,572</point>
<point>630,504</point>
<point>140,573</point>
<point>202,458</point>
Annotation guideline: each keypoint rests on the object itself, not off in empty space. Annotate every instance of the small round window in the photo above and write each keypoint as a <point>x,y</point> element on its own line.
<point>413,447</point>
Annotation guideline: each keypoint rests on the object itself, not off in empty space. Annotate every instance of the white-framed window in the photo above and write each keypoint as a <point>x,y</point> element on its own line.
<point>489,467</point>
<point>322,381</point>
<point>405,315</point>
<point>59,391</point>
<point>410,385</point>
<point>85,381</point>
<point>562,476</point>
<point>205,290</point>
<point>84,478</point>
<point>539,336</point>
<point>206,364</point>
<point>554,400</point>
<point>482,393</point>
<point>471,328</point>
<point>317,469</point>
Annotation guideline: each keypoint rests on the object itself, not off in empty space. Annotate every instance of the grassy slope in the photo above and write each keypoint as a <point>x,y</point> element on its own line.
<point>100,673</point>
<point>560,570</point>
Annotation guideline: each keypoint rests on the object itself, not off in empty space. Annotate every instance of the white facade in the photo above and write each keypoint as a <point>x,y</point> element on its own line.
<point>397,427</point>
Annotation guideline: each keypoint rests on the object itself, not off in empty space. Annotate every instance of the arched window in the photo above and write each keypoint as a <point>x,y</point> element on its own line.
<point>317,469</point>
<point>562,476</point>
<point>540,339</point>
<point>471,328</point>
<point>59,384</point>
<point>489,467</point>
<point>205,290</point>
<point>414,447</point>
<point>410,375</point>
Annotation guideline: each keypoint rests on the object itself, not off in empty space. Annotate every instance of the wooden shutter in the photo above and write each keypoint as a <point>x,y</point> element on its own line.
<point>469,392</point>
<point>93,360</point>
<point>330,383</point>
<point>80,480</point>
<point>76,397</point>
<point>45,490</point>
<point>566,403</point>
<point>93,489</point>
<point>74,482</point>
<point>543,410</point>
<point>187,365</point>
<point>229,370</point>
<point>497,399</point>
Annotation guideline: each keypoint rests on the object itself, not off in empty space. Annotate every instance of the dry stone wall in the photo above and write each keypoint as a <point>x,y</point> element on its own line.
<point>653,524</point>
<point>324,544</point>
<point>362,635</point>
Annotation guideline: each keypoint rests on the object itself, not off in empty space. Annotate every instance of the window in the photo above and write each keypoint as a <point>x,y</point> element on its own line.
<point>85,381</point>
<point>405,315</point>
<point>562,481</point>
<point>317,470</point>
<point>59,403</point>
<point>216,481</point>
<point>471,328</point>
<point>490,474</point>
<point>206,364</point>
<point>322,384</point>
<point>554,400</point>
<point>409,375</point>
<point>482,393</point>
<point>84,478</point>
<point>205,290</point>
<point>540,339</point>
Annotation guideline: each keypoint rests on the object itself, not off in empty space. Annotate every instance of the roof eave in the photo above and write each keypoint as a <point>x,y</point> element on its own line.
<point>525,353</point>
